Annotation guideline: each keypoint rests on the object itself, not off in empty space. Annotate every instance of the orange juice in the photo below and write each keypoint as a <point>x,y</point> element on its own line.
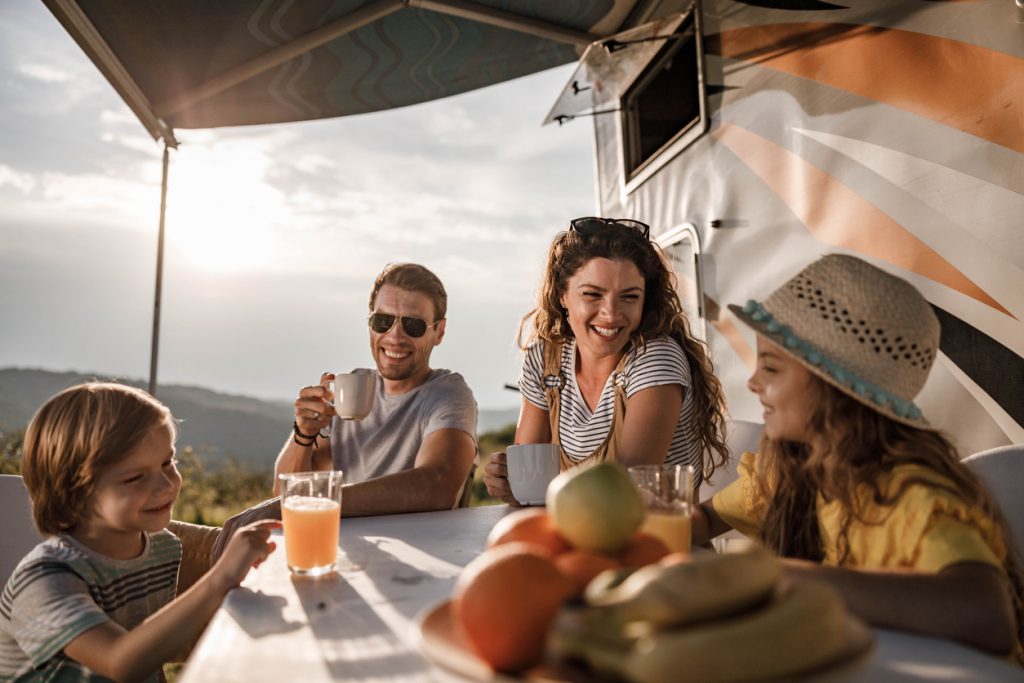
<point>310,533</point>
<point>673,527</point>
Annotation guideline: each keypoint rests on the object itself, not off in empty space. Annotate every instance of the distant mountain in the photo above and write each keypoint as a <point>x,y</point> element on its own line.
<point>216,425</point>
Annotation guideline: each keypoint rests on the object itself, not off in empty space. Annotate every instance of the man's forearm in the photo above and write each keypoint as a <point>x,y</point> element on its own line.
<point>420,489</point>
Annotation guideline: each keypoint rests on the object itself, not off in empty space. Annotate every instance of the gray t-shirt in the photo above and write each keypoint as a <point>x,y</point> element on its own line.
<point>62,589</point>
<point>387,440</point>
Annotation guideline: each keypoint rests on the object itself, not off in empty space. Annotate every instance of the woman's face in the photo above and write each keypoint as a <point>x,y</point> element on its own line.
<point>788,392</point>
<point>605,302</point>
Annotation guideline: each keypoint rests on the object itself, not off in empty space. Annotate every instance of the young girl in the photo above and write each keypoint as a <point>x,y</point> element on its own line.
<point>613,371</point>
<point>97,598</point>
<point>851,484</point>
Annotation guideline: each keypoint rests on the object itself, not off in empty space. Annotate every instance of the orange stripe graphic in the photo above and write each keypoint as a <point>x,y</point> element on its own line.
<point>970,88</point>
<point>837,215</point>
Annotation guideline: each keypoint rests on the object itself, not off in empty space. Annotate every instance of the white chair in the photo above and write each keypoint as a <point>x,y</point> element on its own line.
<point>18,533</point>
<point>1002,471</point>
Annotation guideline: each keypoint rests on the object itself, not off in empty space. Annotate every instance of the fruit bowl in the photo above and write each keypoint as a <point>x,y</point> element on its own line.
<point>442,644</point>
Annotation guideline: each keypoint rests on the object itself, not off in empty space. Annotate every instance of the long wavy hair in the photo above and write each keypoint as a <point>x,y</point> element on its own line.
<point>857,446</point>
<point>662,316</point>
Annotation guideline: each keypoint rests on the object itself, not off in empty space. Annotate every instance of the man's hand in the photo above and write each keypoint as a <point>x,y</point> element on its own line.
<point>496,479</point>
<point>267,510</point>
<point>313,410</point>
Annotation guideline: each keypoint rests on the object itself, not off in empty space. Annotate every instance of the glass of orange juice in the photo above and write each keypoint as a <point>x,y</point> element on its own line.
<point>311,514</point>
<point>668,492</point>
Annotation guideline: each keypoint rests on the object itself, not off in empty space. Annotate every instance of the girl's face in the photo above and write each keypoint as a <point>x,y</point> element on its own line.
<point>787,390</point>
<point>134,495</point>
<point>605,302</point>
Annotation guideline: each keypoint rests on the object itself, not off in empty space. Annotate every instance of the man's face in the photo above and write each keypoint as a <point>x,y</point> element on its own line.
<point>400,357</point>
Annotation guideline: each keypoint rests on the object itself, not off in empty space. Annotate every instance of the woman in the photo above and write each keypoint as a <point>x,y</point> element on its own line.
<point>851,483</point>
<point>612,370</point>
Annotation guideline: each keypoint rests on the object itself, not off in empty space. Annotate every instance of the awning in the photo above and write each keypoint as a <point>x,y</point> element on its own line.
<point>203,64</point>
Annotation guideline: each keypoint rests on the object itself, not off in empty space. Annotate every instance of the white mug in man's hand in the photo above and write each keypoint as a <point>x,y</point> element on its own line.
<point>353,394</point>
<point>531,467</point>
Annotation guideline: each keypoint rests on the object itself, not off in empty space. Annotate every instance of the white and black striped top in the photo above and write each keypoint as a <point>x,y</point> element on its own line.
<point>580,432</point>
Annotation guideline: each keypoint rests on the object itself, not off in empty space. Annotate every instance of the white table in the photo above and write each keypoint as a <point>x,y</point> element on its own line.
<point>361,625</point>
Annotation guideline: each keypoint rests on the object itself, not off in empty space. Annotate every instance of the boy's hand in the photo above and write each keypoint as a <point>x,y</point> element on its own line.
<point>248,547</point>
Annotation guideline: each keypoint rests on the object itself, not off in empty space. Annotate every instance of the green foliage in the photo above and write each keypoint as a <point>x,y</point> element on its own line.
<point>10,451</point>
<point>211,495</point>
<point>489,442</point>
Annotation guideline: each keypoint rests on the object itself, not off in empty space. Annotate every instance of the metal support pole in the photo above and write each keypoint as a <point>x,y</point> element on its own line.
<point>154,350</point>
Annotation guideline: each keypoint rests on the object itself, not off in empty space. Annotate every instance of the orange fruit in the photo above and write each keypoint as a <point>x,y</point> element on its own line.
<point>643,548</point>
<point>504,602</point>
<point>580,566</point>
<point>531,525</point>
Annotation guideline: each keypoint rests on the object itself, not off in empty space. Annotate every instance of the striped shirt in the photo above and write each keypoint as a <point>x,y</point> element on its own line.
<point>62,589</point>
<point>581,431</point>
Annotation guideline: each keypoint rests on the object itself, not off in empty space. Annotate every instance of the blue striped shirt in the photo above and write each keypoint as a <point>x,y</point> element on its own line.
<point>62,589</point>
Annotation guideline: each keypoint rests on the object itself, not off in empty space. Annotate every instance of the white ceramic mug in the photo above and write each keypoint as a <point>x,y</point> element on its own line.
<point>531,467</point>
<point>353,394</point>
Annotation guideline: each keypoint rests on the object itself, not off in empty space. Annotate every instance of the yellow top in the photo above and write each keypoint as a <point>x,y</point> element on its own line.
<point>927,529</point>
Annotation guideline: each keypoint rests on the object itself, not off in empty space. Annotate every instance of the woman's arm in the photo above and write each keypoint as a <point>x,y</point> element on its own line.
<point>968,601</point>
<point>650,424</point>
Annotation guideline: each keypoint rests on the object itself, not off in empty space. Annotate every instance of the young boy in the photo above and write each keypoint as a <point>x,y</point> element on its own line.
<point>97,598</point>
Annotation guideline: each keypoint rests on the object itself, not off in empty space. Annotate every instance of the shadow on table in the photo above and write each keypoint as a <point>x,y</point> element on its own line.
<point>354,641</point>
<point>244,602</point>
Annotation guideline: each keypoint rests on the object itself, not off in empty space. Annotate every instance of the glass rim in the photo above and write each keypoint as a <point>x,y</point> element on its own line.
<point>315,474</point>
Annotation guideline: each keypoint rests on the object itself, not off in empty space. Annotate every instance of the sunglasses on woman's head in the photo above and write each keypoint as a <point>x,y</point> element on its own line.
<point>591,225</point>
<point>381,323</point>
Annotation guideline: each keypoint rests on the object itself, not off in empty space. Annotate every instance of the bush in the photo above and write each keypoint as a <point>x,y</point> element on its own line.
<point>489,442</point>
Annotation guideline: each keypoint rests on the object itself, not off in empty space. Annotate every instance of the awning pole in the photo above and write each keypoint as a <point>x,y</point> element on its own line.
<point>154,351</point>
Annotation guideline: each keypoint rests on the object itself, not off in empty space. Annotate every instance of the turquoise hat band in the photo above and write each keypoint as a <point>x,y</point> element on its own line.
<point>843,377</point>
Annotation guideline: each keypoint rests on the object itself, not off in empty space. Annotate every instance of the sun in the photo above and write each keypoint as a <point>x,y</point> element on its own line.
<point>222,214</point>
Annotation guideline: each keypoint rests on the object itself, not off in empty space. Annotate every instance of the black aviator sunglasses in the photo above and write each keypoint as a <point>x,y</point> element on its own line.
<point>381,323</point>
<point>591,225</point>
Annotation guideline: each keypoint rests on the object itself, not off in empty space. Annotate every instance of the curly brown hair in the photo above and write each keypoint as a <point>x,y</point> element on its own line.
<point>662,315</point>
<point>75,437</point>
<point>858,447</point>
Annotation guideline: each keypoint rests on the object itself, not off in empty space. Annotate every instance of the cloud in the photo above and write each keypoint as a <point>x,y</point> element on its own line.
<point>23,182</point>
<point>44,72</point>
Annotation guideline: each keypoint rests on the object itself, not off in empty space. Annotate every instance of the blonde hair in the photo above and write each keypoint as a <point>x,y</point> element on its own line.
<point>662,316</point>
<point>75,437</point>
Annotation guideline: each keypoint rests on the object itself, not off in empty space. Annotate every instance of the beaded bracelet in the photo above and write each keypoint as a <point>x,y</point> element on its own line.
<point>298,433</point>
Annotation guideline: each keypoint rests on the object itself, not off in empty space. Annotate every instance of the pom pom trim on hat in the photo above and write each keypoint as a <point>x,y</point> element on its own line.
<point>842,376</point>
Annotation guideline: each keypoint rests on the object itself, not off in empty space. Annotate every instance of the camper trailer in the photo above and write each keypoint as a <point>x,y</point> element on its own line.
<point>755,136</point>
<point>752,135</point>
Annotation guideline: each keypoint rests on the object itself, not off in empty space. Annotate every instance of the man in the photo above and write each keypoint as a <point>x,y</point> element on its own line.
<point>413,451</point>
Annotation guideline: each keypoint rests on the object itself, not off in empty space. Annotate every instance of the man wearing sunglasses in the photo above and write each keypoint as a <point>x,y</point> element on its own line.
<point>414,450</point>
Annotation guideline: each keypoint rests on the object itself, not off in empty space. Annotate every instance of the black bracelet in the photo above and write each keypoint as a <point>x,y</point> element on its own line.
<point>297,433</point>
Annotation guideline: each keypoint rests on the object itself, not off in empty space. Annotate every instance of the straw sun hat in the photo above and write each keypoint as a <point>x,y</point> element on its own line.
<point>866,332</point>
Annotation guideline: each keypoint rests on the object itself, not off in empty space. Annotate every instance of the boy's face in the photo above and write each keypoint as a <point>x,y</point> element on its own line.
<point>137,493</point>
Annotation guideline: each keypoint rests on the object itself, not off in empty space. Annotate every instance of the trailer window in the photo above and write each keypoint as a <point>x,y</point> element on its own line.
<point>682,247</point>
<point>664,110</point>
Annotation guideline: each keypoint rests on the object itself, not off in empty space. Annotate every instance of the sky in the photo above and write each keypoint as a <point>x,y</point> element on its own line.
<point>274,234</point>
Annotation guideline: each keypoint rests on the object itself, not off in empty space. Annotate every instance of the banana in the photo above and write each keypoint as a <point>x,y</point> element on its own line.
<point>705,587</point>
<point>802,628</point>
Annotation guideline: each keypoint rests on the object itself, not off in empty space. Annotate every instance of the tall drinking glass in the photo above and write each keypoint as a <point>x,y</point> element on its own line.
<point>668,493</point>
<point>311,514</point>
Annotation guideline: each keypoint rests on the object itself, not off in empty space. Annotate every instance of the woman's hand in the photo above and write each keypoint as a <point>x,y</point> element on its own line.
<point>496,479</point>
<point>312,410</point>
